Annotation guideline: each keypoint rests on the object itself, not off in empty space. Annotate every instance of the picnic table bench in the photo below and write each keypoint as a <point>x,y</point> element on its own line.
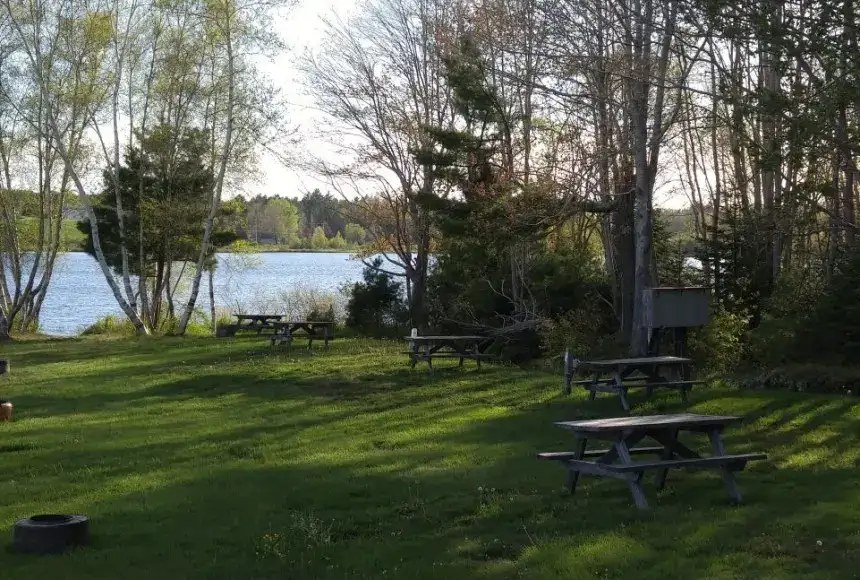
<point>616,376</point>
<point>426,348</point>
<point>255,322</point>
<point>313,330</point>
<point>623,433</point>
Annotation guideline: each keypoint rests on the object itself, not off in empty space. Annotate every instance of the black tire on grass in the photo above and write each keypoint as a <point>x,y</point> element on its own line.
<point>50,533</point>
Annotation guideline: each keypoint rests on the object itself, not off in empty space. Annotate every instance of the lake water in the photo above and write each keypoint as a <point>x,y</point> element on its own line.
<point>79,294</point>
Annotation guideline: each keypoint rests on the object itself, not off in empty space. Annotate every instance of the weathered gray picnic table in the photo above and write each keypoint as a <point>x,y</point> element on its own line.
<point>427,348</point>
<point>616,376</point>
<point>313,330</point>
<point>623,433</point>
<point>255,322</point>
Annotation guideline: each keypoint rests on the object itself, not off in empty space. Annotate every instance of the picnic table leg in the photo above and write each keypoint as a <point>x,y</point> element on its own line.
<point>717,447</point>
<point>568,372</point>
<point>621,390</point>
<point>593,392</point>
<point>668,453</point>
<point>429,356</point>
<point>685,376</point>
<point>573,475</point>
<point>635,482</point>
<point>592,395</point>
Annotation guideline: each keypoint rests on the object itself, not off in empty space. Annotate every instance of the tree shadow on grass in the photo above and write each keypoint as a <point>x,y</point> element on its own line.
<point>391,518</point>
<point>369,494</point>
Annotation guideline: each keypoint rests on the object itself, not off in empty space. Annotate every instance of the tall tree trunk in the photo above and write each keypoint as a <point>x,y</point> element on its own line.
<point>771,157</point>
<point>846,147</point>
<point>214,322</point>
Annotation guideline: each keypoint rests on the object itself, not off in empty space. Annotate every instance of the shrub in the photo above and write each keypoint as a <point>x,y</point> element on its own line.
<point>719,347</point>
<point>575,331</point>
<point>375,305</point>
<point>338,242</point>
<point>321,314</point>
<point>813,378</point>
<point>110,325</point>
<point>308,303</point>
<point>568,293</point>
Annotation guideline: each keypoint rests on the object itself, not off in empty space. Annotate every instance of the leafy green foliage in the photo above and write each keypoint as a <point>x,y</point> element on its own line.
<point>493,263</point>
<point>739,250</point>
<point>719,347</point>
<point>354,234</point>
<point>337,242</point>
<point>319,239</point>
<point>165,188</point>
<point>825,326</point>
<point>282,217</point>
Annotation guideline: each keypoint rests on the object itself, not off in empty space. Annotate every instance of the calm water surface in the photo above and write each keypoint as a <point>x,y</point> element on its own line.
<point>79,294</point>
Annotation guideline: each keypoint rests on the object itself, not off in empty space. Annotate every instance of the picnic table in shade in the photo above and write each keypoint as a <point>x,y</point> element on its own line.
<point>623,433</point>
<point>314,330</point>
<point>616,376</point>
<point>255,322</point>
<point>427,348</point>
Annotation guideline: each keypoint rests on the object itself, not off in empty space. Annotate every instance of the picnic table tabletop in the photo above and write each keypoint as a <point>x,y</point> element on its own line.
<point>647,422</point>
<point>259,316</point>
<point>636,361</point>
<point>432,338</point>
<point>283,323</point>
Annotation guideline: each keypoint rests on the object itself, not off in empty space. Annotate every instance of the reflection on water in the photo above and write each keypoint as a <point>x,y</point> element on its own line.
<point>79,295</point>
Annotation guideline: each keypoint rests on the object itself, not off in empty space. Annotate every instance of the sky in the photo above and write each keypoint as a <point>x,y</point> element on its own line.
<point>301,29</point>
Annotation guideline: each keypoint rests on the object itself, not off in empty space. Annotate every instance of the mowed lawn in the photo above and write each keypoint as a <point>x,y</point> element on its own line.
<point>203,458</point>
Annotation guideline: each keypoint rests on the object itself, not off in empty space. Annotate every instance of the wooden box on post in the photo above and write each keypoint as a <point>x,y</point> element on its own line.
<point>675,307</point>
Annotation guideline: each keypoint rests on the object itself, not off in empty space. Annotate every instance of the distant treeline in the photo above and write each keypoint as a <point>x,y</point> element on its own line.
<point>315,221</point>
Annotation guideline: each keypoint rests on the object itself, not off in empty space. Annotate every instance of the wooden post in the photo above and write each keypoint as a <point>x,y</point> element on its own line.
<point>681,341</point>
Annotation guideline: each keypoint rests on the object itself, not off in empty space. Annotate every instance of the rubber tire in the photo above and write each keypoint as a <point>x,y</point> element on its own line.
<point>50,533</point>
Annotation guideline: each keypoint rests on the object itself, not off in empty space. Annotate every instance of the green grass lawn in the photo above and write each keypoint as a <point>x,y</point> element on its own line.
<point>206,458</point>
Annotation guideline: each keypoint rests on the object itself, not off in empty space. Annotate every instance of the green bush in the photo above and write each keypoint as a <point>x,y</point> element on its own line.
<point>575,331</point>
<point>321,314</point>
<point>786,317</point>
<point>110,325</point>
<point>376,305</point>
<point>718,347</point>
<point>567,291</point>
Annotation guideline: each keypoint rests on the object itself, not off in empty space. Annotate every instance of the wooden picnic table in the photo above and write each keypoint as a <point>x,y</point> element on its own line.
<point>623,433</point>
<point>616,376</point>
<point>427,348</point>
<point>314,330</point>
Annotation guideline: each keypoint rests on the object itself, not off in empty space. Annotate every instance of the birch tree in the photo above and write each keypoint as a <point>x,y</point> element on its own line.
<point>64,47</point>
<point>241,110</point>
